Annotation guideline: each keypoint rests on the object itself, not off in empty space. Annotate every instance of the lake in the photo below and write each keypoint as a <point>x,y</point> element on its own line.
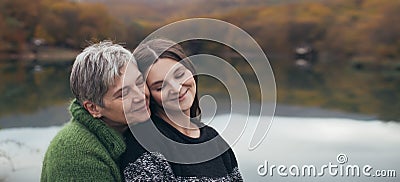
<point>36,93</point>
<point>320,114</point>
<point>33,88</point>
<point>291,141</point>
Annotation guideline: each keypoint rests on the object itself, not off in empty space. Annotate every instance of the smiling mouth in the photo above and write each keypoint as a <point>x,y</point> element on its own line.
<point>182,96</point>
<point>139,109</point>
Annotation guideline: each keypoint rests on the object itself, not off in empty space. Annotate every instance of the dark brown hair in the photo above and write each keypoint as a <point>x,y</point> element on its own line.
<point>150,52</point>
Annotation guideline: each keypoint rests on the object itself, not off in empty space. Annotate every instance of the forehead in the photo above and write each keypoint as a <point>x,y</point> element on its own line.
<point>164,66</point>
<point>129,73</point>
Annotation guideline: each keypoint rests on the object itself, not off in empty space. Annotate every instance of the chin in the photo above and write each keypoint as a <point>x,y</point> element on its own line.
<point>142,120</point>
<point>138,120</point>
<point>185,108</point>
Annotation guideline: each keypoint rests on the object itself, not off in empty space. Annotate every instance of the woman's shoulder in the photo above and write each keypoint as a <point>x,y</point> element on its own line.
<point>72,138</point>
<point>73,150</point>
<point>208,131</point>
<point>133,151</point>
<point>77,139</point>
<point>149,166</point>
<point>133,146</point>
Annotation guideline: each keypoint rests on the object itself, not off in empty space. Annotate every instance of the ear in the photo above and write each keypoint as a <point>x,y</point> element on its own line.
<point>92,108</point>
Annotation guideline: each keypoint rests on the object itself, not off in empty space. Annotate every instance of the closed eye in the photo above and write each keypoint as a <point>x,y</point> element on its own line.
<point>179,72</point>
<point>126,91</point>
<point>159,87</point>
<point>140,81</point>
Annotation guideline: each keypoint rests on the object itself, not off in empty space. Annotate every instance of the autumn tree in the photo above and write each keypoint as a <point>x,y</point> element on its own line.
<point>19,20</point>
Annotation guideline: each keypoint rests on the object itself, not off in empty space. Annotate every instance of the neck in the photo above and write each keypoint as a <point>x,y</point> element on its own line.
<point>181,122</point>
<point>120,128</point>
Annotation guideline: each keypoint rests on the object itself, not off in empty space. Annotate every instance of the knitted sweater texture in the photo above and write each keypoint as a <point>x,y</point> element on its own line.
<point>140,164</point>
<point>85,149</point>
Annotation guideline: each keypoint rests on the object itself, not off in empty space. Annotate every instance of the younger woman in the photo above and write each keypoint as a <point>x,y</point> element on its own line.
<point>176,113</point>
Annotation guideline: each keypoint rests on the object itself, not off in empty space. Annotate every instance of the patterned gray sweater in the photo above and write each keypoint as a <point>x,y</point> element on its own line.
<point>151,164</point>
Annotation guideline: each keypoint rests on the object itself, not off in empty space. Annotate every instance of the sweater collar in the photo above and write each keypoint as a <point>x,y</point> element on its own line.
<point>110,138</point>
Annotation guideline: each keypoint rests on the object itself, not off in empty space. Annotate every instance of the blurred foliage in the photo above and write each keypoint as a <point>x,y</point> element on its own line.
<point>343,28</point>
<point>358,42</point>
<point>60,23</point>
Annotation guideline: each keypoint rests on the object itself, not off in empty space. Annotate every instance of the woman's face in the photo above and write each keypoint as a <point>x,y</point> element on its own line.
<point>171,85</point>
<point>127,101</point>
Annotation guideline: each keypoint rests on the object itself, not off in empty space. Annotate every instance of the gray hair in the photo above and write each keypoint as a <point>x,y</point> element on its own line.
<point>95,70</point>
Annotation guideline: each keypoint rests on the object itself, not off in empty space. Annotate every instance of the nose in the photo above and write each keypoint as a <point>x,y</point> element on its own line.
<point>138,95</point>
<point>175,87</point>
<point>137,100</point>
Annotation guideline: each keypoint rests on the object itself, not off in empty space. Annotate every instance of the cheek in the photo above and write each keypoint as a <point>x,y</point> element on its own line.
<point>118,107</point>
<point>114,111</point>
<point>156,97</point>
<point>190,83</point>
<point>146,92</point>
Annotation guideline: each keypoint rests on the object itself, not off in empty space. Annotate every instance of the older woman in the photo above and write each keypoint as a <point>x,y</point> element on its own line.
<point>105,81</point>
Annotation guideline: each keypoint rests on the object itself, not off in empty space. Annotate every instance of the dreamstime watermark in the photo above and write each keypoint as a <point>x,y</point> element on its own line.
<point>333,169</point>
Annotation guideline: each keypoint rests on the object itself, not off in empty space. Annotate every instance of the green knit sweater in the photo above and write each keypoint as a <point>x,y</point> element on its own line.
<point>85,149</point>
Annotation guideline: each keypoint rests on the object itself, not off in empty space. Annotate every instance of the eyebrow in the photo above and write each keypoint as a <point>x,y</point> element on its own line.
<point>157,82</point>
<point>161,81</point>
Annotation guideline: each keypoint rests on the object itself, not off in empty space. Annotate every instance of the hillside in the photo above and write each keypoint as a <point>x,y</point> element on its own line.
<point>164,10</point>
